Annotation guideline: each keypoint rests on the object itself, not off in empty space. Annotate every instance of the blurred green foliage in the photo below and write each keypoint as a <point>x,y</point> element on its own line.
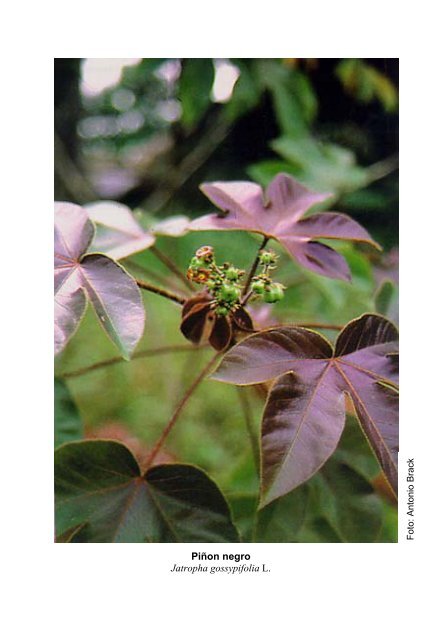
<point>148,141</point>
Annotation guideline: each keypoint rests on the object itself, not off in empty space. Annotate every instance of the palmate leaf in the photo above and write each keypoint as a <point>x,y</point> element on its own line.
<point>119,234</point>
<point>101,496</point>
<point>79,275</point>
<point>338,504</point>
<point>277,214</point>
<point>305,411</point>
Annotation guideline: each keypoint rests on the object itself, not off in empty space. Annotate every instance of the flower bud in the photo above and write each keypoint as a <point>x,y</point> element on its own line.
<point>229,292</point>
<point>205,253</point>
<point>267,258</point>
<point>258,287</point>
<point>232,274</point>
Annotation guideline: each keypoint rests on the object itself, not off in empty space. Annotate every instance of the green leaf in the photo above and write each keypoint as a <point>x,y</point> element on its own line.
<point>321,166</point>
<point>98,483</point>
<point>69,534</point>
<point>281,520</point>
<point>294,100</point>
<point>344,507</point>
<point>195,86</point>
<point>264,171</point>
<point>246,93</point>
<point>338,505</point>
<point>68,423</point>
<point>386,299</point>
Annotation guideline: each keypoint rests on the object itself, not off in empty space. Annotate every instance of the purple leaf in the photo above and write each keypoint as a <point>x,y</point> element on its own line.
<point>70,307</point>
<point>116,299</point>
<point>174,226</point>
<point>318,257</point>
<point>304,415</point>
<point>277,214</point>
<point>118,233</point>
<point>302,424</point>
<point>113,293</point>
<point>73,233</point>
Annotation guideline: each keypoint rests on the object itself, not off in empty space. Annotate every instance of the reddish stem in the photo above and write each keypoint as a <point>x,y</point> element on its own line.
<point>254,266</point>
<point>161,292</point>
<point>141,354</point>
<point>171,266</point>
<point>184,400</point>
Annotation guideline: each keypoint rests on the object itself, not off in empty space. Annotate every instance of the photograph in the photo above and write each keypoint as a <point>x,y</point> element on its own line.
<point>226,276</point>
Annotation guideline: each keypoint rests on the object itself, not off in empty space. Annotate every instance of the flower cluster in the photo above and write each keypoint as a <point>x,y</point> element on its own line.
<point>223,282</point>
<point>262,284</point>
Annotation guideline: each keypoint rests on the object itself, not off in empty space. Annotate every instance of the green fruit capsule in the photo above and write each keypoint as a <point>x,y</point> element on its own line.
<point>278,290</point>
<point>274,293</point>
<point>258,287</point>
<point>229,293</point>
<point>269,296</point>
<point>232,273</point>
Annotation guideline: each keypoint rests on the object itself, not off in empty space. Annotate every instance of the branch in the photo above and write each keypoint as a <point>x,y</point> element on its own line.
<point>383,168</point>
<point>141,354</point>
<point>163,280</point>
<point>161,292</point>
<point>184,400</point>
<point>254,267</point>
<point>171,266</point>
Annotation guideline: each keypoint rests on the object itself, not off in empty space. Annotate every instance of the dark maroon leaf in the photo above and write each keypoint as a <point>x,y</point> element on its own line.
<point>203,296</point>
<point>112,291</point>
<point>243,321</point>
<point>102,496</point>
<point>200,322</point>
<point>221,334</point>
<point>277,214</point>
<point>305,412</point>
<point>194,321</point>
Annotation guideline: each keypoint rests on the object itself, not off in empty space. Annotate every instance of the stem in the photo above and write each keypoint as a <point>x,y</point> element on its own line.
<point>246,298</point>
<point>171,266</point>
<point>245,406</point>
<point>383,168</point>
<point>184,400</point>
<point>254,267</point>
<point>141,354</point>
<point>162,279</point>
<point>161,292</point>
